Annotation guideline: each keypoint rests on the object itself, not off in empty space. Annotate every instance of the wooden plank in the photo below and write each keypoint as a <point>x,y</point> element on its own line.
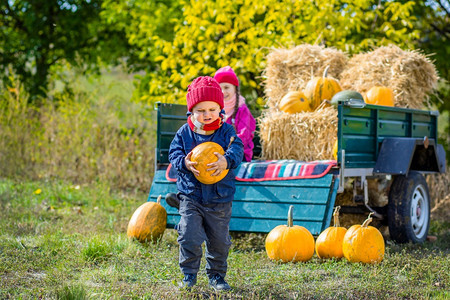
<point>290,191</point>
<point>260,206</point>
<point>256,225</point>
<point>265,226</point>
<point>277,211</point>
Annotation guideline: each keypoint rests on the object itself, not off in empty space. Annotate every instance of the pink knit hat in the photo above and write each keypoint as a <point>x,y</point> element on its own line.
<point>204,88</point>
<point>226,74</point>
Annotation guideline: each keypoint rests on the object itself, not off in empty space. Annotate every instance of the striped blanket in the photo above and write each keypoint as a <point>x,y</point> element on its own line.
<point>274,170</point>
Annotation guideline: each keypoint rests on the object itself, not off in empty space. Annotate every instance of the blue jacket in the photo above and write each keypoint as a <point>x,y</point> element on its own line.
<point>184,141</point>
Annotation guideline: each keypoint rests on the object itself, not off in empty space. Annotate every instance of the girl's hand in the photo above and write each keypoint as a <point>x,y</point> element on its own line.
<point>190,165</point>
<point>219,166</point>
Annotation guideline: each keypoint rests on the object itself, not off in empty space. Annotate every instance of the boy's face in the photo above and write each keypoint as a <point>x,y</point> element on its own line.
<point>228,90</point>
<point>206,112</point>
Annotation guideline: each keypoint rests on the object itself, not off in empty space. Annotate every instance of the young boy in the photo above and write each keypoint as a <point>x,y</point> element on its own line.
<point>205,209</point>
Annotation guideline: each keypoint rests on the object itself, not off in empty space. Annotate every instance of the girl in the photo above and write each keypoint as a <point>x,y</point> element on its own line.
<point>236,111</point>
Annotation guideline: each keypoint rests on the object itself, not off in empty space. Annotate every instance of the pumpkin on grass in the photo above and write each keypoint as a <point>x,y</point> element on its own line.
<point>329,242</point>
<point>321,88</point>
<point>363,243</point>
<point>203,154</point>
<point>290,243</point>
<point>294,102</point>
<point>380,95</point>
<point>148,222</point>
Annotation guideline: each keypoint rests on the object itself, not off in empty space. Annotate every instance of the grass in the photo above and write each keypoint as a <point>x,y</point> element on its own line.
<point>63,241</point>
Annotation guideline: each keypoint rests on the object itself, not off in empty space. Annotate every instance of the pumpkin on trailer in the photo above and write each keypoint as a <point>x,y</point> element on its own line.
<point>347,95</point>
<point>363,243</point>
<point>380,95</point>
<point>291,243</point>
<point>321,88</point>
<point>294,102</point>
<point>329,242</point>
<point>148,222</point>
<point>203,154</point>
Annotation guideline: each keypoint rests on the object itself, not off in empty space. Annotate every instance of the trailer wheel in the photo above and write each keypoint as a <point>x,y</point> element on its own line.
<point>409,209</point>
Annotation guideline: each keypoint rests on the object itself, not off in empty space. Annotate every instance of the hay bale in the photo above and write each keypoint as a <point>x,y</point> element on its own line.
<point>438,187</point>
<point>410,74</point>
<point>441,211</point>
<point>303,136</point>
<point>290,69</point>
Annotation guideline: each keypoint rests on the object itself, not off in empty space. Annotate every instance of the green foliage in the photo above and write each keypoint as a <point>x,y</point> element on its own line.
<point>19,125</point>
<point>92,132</point>
<point>35,35</point>
<point>212,34</point>
<point>145,24</point>
<point>98,249</point>
<point>433,22</point>
<point>432,19</point>
<point>75,292</point>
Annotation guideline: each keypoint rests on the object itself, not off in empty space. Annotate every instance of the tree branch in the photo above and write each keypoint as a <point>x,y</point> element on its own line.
<point>444,8</point>
<point>444,32</point>
<point>18,22</point>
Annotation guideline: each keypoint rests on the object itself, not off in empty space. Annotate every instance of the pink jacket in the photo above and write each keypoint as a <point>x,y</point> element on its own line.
<point>245,126</point>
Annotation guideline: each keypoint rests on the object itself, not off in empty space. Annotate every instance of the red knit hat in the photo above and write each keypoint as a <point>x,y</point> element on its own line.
<point>204,88</point>
<point>226,74</point>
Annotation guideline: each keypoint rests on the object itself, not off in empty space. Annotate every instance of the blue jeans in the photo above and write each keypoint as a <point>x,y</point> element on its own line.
<point>199,223</point>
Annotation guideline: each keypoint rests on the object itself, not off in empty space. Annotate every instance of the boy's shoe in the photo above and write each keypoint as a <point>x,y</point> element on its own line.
<point>218,283</point>
<point>172,200</point>
<point>189,281</point>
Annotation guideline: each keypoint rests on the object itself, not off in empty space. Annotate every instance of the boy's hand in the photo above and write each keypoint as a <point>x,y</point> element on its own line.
<point>219,166</point>
<point>190,165</point>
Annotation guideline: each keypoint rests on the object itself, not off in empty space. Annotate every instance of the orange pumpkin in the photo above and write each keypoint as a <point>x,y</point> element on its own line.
<point>148,222</point>
<point>329,242</point>
<point>321,88</point>
<point>363,243</point>
<point>294,102</point>
<point>380,95</point>
<point>290,243</point>
<point>203,154</point>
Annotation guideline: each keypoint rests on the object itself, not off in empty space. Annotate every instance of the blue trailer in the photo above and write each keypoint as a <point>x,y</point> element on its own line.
<point>392,143</point>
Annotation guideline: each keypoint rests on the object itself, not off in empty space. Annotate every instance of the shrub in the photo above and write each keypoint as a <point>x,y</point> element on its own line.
<point>90,132</point>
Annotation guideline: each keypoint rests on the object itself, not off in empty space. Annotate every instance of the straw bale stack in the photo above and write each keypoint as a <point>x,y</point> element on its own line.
<point>441,211</point>
<point>311,135</point>
<point>303,136</point>
<point>438,187</point>
<point>290,69</point>
<point>410,74</point>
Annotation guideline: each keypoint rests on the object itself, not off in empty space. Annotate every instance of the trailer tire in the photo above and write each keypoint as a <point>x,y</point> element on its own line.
<point>409,209</point>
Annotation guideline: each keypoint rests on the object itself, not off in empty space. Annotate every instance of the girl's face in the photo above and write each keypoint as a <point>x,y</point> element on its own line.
<point>206,112</point>
<point>228,90</point>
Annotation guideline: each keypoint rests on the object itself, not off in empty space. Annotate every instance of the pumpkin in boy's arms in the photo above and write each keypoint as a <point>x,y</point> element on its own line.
<point>148,222</point>
<point>203,154</point>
